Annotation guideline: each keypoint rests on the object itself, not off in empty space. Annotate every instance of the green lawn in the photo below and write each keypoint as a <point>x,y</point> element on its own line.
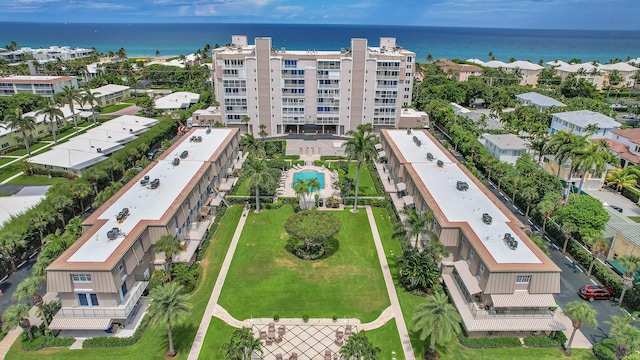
<point>37,180</point>
<point>32,147</point>
<point>241,189</point>
<point>154,343</point>
<point>113,108</point>
<point>635,218</point>
<point>5,160</point>
<point>366,187</point>
<point>10,170</point>
<point>388,340</point>
<point>454,351</point>
<point>269,280</point>
<point>218,333</point>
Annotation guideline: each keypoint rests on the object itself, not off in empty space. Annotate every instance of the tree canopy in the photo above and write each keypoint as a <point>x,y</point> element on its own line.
<point>314,228</point>
<point>585,212</point>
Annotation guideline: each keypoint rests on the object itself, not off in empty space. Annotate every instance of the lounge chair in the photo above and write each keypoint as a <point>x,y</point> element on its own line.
<point>263,335</point>
<point>269,341</point>
<point>347,330</point>
<point>279,356</point>
<point>294,356</point>
<point>282,330</point>
<point>327,354</point>
<point>338,342</point>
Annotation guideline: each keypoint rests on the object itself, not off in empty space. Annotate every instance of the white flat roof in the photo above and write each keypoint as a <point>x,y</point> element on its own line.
<point>16,205</point>
<point>115,126</point>
<point>68,158</point>
<point>90,145</point>
<point>177,100</point>
<point>107,136</point>
<point>146,204</point>
<point>461,206</point>
<point>108,89</point>
<point>135,120</point>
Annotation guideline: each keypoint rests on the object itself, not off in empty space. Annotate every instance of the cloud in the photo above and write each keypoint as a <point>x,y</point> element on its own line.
<point>289,8</point>
<point>205,10</point>
<point>102,6</point>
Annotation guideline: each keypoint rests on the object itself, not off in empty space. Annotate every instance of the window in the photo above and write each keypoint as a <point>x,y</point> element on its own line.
<point>120,267</point>
<point>471,254</point>
<point>123,290</point>
<point>481,269</point>
<point>81,277</point>
<point>88,299</point>
<point>523,279</point>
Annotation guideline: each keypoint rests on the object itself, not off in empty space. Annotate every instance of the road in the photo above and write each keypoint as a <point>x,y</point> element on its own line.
<point>8,286</point>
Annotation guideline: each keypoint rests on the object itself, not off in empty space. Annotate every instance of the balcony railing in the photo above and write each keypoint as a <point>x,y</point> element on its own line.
<point>118,312</point>
<point>479,312</point>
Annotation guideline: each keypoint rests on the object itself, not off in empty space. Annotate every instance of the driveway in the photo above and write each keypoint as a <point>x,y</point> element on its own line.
<point>613,198</point>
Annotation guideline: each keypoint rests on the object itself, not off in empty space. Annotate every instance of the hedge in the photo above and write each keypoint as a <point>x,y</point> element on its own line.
<point>108,342</point>
<point>605,350</point>
<point>631,194</point>
<point>490,342</point>
<point>40,342</point>
<point>545,341</point>
<point>332,157</point>
<point>211,232</point>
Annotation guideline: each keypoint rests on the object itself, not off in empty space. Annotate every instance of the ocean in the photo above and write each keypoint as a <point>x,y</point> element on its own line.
<point>447,42</point>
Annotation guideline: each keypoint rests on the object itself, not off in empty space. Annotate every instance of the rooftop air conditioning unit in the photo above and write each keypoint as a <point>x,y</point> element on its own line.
<point>440,163</point>
<point>208,130</point>
<point>175,162</point>
<point>462,186</point>
<point>199,139</point>
<point>154,183</point>
<point>409,131</point>
<point>99,150</point>
<point>145,180</point>
<point>113,233</point>
<point>510,241</point>
<point>430,156</point>
<point>184,154</point>
<point>486,218</point>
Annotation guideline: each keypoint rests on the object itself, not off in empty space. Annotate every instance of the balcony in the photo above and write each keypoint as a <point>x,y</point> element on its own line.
<point>119,312</point>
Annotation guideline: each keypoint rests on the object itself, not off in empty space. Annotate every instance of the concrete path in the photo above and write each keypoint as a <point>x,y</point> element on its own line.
<point>215,294</point>
<point>8,341</point>
<point>391,289</point>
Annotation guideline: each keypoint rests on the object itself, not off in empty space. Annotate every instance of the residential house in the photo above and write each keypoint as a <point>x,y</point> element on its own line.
<point>500,281</point>
<point>110,94</point>
<point>577,122</point>
<point>207,117</point>
<point>625,143</point>
<point>528,71</point>
<point>180,100</point>
<point>587,71</point>
<point>458,72</point>
<point>539,101</point>
<point>101,277</point>
<point>505,147</point>
<point>44,55</point>
<point>626,71</point>
<point>623,233</point>
<point>12,137</point>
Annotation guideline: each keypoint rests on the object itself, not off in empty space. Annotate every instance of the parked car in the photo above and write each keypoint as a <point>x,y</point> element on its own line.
<point>616,208</point>
<point>628,116</point>
<point>595,292</point>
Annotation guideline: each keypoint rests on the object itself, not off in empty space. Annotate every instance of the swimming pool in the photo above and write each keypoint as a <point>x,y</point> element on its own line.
<point>308,174</point>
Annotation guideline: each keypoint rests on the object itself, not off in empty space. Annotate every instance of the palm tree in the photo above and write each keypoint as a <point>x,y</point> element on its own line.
<point>91,98</point>
<point>70,94</point>
<point>170,306</point>
<point>52,114</point>
<point>361,148</point>
<point>313,184</point>
<point>10,243</point>
<point>621,179</point>
<point>170,246</point>
<point>81,190</point>
<point>614,78</point>
<point>250,145</point>
<point>17,121</point>
<point>262,131</point>
<point>40,220</point>
<point>414,225</point>
<point>245,119</point>
<point>627,336</point>
<point>18,315</point>
<point>597,244</point>
<point>530,194</point>
<point>358,347</point>
<point>258,174</point>
<point>436,319</point>
<point>561,146</point>
<point>546,206</point>
<point>301,189</point>
<point>490,56</point>
<point>29,288</point>
<point>242,345</point>
<point>593,157</point>
<point>580,313</point>
<point>632,263</point>
<point>568,228</point>
<point>61,204</point>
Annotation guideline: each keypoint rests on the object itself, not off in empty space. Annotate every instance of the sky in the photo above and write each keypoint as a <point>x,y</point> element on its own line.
<point>528,14</point>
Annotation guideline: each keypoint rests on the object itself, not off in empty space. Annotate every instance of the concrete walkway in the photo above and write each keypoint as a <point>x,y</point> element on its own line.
<point>217,288</point>
<point>8,341</point>
<point>391,289</point>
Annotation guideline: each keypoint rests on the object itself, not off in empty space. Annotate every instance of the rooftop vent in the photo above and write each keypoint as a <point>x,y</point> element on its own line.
<point>416,140</point>
<point>510,241</point>
<point>130,131</point>
<point>208,131</point>
<point>113,233</point>
<point>409,131</point>
<point>122,215</point>
<point>154,183</point>
<point>486,218</point>
<point>175,162</point>
<point>461,185</point>
<point>440,163</point>
<point>99,150</point>
<point>430,156</point>
<point>184,154</point>
<point>195,138</point>
<point>145,180</point>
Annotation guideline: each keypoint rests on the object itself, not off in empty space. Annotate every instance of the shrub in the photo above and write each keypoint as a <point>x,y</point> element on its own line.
<point>541,341</point>
<point>331,157</point>
<point>185,276</point>
<point>605,350</point>
<point>102,342</point>
<point>631,194</point>
<point>276,317</point>
<point>41,341</point>
<point>490,342</point>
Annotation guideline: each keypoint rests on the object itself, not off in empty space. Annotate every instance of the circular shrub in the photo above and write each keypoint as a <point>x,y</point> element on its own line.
<point>312,228</point>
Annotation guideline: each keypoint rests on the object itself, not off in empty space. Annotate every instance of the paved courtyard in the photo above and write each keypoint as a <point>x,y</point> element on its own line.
<point>307,341</point>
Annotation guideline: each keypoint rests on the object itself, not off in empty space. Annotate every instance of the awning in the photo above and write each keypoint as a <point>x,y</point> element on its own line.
<point>63,323</point>
<point>408,201</point>
<point>467,277</point>
<point>382,153</point>
<point>401,186</point>
<point>378,146</point>
<point>522,299</point>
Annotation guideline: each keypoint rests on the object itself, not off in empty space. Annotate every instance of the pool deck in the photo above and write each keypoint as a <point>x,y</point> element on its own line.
<point>286,182</point>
